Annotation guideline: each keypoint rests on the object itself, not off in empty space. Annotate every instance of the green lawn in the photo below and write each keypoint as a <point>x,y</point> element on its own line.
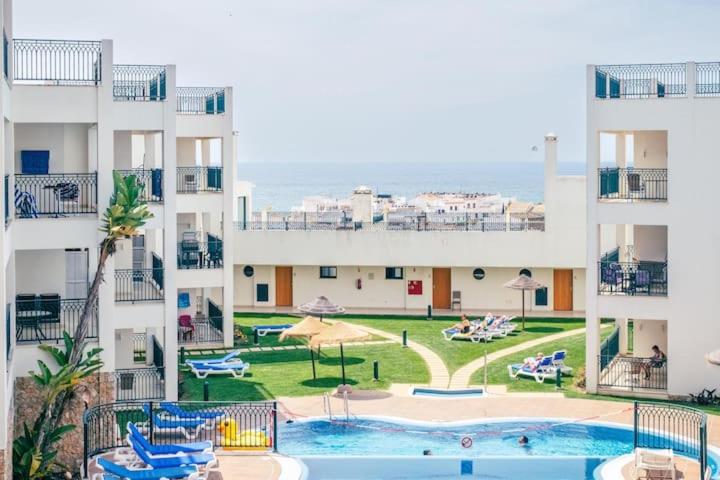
<point>498,373</point>
<point>457,353</point>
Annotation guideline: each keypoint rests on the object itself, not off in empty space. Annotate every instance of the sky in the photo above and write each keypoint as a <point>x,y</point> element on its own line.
<point>391,80</point>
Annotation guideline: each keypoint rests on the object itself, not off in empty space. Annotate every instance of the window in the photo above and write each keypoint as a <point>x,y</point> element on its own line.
<point>328,272</point>
<point>526,272</point>
<point>541,296</point>
<point>478,274</point>
<point>248,271</point>
<point>393,273</point>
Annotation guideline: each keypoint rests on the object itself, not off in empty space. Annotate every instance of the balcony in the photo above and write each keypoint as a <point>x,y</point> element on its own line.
<point>193,254</point>
<point>140,284</point>
<point>199,179</point>
<point>146,383</point>
<point>632,184</point>
<point>200,101</point>
<point>623,373</point>
<point>152,181</point>
<point>334,221</point>
<point>44,318</point>
<point>642,278</point>
<point>200,328</point>
<point>56,62</point>
<point>139,83</point>
<point>662,80</point>
<point>55,195</point>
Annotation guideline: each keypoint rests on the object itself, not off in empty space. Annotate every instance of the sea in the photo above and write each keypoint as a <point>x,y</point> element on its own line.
<point>284,185</point>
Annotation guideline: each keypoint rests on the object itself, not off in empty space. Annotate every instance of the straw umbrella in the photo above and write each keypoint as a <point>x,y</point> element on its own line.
<point>321,306</point>
<point>523,282</point>
<point>339,332</point>
<point>305,328</point>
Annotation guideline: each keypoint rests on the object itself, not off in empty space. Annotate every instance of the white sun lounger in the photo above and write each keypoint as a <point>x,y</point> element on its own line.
<point>654,461</point>
<point>236,369</point>
<point>542,372</point>
<point>474,336</point>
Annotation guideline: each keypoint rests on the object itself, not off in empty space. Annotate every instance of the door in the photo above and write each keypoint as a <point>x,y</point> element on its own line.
<point>138,257</point>
<point>441,288</point>
<point>283,287</point>
<point>76,273</point>
<point>563,290</point>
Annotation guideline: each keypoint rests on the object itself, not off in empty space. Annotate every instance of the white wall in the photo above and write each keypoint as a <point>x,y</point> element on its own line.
<point>40,271</point>
<point>651,242</point>
<point>647,333</point>
<point>67,143</point>
<point>650,149</point>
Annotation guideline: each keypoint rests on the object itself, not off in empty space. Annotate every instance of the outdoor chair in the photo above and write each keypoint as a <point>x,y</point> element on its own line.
<point>143,457</point>
<point>214,251</point>
<point>186,327</point>
<point>167,448</point>
<point>118,471</point>
<point>190,184</point>
<point>50,302</point>
<point>456,300</point>
<point>655,463</point>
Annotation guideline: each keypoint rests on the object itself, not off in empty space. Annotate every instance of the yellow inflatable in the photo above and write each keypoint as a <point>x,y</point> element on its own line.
<point>246,439</point>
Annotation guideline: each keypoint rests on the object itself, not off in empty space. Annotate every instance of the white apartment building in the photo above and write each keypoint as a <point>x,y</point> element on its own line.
<point>406,263</point>
<point>71,118</point>
<point>652,138</point>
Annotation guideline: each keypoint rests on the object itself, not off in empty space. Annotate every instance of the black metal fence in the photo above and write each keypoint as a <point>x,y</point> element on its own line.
<point>632,183</point>
<point>58,62</point>
<point>609,348</point>
<point>139,83</point>
<point>707,79</point>
<point>200,100</point>
<point>632,373</point>
<point>55,194</point>
<point>45,318</point>
<point>196,255</point>
<point>632,278</point>
<point>201,329</point>
<point>330,221</point>
<point>641,81</point>
<point>139,383</point>
<point>667,426</point>
<point>104,426</point>
<point>199,179</point>
<point>151,180</point>
<point>138,285</point>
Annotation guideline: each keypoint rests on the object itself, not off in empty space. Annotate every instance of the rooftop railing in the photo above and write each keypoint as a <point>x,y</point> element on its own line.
<point>45,318</point>
<point>139,83</point>
<point>57,62</point>
<point>151,180</point>
<point>641,81</point>
<point>331,221</point>
<point>199,179</point>
<point>632,278</point>
<point>55,194</point>
<point>632,184</point>
<point>200,100</point>
<point>707,79</point>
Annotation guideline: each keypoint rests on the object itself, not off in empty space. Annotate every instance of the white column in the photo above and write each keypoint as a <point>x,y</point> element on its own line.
<point>691,79</point>
<point>620,150</point>
<point>228,163</point>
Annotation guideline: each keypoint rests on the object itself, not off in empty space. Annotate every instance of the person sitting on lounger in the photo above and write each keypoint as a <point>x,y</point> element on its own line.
<point>656,361</point>
<point>464,325</point>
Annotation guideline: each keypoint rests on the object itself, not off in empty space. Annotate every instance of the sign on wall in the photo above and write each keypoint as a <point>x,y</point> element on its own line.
<point>415,287</point>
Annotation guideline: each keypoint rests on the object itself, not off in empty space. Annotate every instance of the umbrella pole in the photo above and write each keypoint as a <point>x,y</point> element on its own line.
<point>523,310</point>
<point>312,360</point>
<point>342,362</point>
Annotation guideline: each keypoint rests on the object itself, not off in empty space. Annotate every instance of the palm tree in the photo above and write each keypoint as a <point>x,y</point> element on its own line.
<point>126,214</point>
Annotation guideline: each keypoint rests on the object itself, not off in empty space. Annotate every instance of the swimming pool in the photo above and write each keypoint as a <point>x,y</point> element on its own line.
<point>319,439</point>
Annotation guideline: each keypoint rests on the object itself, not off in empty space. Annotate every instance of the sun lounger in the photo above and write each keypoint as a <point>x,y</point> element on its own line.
<point>170,448</point>
<point>236,369</point>
<point>201,459</point>
<point>176,411</point>
<point>474,335</point>
<point>189,427</point>
<point>542,371</point>
<point>114,471</point>
<point>226,359</point>
<point>263,330</point>
<point>656,463</point>
<point>558,361</point>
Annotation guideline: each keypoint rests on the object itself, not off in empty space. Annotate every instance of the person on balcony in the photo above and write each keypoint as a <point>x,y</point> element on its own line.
<point>656,361</point>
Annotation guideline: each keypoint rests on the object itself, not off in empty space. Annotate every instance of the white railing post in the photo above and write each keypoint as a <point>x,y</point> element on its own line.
<point>691,79</point>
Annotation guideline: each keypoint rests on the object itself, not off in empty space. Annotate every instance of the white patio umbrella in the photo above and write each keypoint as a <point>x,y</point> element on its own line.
<point>339,332</point>
<point>305,328</point>
<point>523,282</point>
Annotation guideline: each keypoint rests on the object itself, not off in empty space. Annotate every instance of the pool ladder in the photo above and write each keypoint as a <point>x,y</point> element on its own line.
<point>327,406</point>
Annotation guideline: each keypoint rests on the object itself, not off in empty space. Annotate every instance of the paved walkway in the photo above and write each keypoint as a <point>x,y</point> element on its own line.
<point>461,378</point>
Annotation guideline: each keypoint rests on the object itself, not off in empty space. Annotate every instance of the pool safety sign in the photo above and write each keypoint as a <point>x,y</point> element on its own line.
<point>466,442</point>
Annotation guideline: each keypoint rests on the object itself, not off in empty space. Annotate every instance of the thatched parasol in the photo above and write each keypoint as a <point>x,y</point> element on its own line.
<point>339,332</point>
<point>321,306</point>
<point>523,282</point>
<point>305,328</point>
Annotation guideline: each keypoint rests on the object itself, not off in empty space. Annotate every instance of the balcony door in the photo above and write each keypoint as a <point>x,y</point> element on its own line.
<point>76,273</point>
<point>563,290</point>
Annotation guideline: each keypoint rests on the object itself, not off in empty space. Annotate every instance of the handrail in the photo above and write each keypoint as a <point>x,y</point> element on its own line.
<point>347,406</point>
<point>327,407</point>
<point>58,62</point>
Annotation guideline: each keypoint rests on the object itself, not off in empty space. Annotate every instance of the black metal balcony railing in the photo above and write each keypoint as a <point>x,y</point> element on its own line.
<point>139,383</point>
<point>632,373</point>
<point>55,194</point>
<point>707,79</point>
<point>139,83</point>
<point>199,179</point>
<point>46,317</point>
<point>200,329</point>
<point>151,180</point>
<point>139,285</point>
<point>331,221</point>
<point>196,255</point>
<point>609,348</point>
<point>6,56</point>
<point>632,183</point>
<point>7,199</point>
<point>632,278</point>
<point>200,100</point>
<point>58,62</point>
<point>641,81</point>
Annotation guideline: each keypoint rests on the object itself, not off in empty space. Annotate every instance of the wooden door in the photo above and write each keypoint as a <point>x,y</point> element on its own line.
<point>441,288</point>
<point>563,290</point>
<point>283,287</point>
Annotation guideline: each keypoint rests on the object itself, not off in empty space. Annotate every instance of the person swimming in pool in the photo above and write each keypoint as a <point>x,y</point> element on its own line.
<point>523,441</point>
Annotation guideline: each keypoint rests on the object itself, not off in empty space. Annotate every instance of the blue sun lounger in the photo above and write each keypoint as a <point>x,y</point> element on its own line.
<point>263,330</point>
<point>114,471</point>
<point>227,358</point>
<point>183,425</point>
<point>176,411</point>
<point>167,449</point>
<point>202,459</point>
